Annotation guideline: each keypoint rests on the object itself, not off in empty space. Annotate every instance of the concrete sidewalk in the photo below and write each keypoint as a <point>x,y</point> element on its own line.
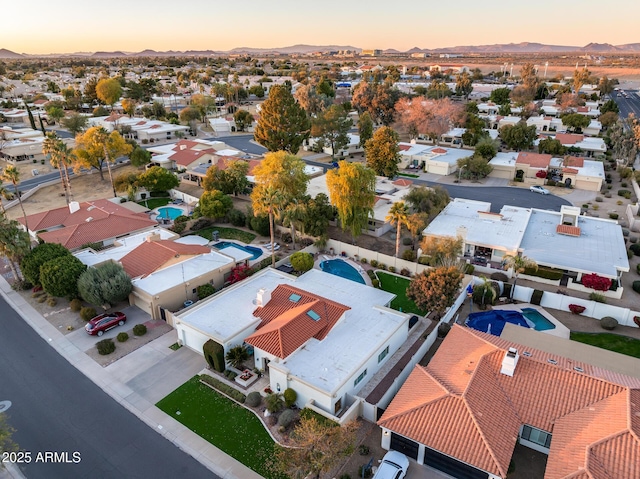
<point>137,382</point>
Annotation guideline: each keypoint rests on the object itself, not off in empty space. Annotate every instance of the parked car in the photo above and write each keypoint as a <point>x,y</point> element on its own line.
<point>104,322</point>
<point>394,465</point>
<point>539,189</point>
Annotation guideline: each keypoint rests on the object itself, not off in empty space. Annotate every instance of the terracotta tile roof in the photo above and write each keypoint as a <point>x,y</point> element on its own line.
<point>582,109</point>
<point>573,161</point>
<point>568,230</point>
<point>404,147</point>
<point>570,171</point>
<point>403,182</point>
<point>462,406</point>
<point>224,162</point>
<point>186,157</point>
<point>152,255</point>
<point>95,221</point>
<point>569,138</point>
<point>186,143</point>
<point>534,160</point>
<point>439,151</point>
<point>285,324</point>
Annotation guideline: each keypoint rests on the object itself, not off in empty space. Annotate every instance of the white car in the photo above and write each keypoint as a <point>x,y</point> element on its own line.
<point>394,465</point>
<point>539,189</point>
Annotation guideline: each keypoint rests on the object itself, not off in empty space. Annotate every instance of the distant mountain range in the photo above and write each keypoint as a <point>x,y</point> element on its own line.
<point>524,47</point>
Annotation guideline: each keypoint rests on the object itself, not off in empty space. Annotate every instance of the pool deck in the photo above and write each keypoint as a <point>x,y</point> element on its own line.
<point>327,257</point>
<point>560,329</point>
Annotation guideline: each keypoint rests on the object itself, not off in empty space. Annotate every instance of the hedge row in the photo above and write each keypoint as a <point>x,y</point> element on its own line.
<point>546,273</point>
<point>224,388</point>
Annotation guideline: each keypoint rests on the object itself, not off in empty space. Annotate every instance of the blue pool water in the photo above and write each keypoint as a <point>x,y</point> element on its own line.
<point>493,321</point>
<point>343,269</point>
<point>253,251</point>
<point>169,212</point>
<point>540,322</point>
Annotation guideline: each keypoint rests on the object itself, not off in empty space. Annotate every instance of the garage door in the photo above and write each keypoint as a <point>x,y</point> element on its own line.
<point>406,446</point>
<point>450,466</point>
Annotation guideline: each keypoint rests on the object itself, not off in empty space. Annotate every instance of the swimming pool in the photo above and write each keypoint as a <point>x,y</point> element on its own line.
<point>540,322</point>
<point>168,212</point>
<point>253,251</point>
<point>342,269</point>
<point>493,321</point>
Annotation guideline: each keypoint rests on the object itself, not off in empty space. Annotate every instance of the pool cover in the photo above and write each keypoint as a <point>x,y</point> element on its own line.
<point>493,321</point>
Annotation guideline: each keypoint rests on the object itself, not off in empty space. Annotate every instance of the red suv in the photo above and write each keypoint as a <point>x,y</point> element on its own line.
<point>105,322</point>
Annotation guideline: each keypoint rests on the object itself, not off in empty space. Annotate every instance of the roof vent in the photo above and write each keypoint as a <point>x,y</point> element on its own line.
<point>74,206</point>
<point>89,219</point>
<point>183,147</point>
<point>527,354</point>
<point>509,362</point>
<point>552,361</point>
<point>578,369</point>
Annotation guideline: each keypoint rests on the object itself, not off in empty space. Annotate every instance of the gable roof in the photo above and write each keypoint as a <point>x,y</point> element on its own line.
<point>534,160</point>
<point>569,138</point>
<point>94,221</point>
<point>152,255</point>
<point>462,392</point>
<point>287,323</point>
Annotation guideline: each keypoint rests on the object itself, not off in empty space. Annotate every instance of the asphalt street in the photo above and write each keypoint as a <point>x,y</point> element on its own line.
<point>56,409</point>
<point>628,105</point>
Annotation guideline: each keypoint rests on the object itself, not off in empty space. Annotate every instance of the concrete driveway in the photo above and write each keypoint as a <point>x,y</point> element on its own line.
<point>84,341</point>
<point>418,471</point>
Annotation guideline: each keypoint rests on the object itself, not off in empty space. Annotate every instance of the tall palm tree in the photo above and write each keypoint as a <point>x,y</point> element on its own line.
<point>294,215</point>
<point>59,155</point>
<point>269,200</point>
<point>398,216</point>
<point>519,263</point>
<point>12,174</point>
<point>14,244</point>
<point>7,195</point>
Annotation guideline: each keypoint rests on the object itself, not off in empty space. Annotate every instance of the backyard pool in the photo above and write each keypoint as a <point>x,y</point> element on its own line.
<point>493,321</point>
<point>342,269</point>
<point>169,212</point>
<point>252,250</point>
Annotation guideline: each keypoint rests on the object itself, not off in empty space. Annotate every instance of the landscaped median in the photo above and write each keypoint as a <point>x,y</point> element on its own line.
<point>225,424</point>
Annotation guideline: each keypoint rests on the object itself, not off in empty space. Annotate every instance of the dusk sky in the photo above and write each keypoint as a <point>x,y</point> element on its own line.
<point>65,26</point>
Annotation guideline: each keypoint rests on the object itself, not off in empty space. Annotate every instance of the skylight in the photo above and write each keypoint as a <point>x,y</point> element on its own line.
<point>313,315</point>
<point>294,298</point>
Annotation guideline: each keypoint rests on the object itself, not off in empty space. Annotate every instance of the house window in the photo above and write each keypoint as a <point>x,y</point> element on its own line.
<point>383,354</point>
<point>536,436</point>
<point>194,290</point>
<point>360,378</point>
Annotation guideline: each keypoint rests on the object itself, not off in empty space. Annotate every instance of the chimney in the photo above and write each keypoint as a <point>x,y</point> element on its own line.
<point>263,297</point>
<point>509,362</point>
<point>74,206</point>
<point>153,237</point>
<point>183,147</point>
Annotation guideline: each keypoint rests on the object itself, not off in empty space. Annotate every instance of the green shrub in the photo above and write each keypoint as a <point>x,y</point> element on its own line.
<point>205,290</point>
<point>290,397</point>
<point>624,193</point>
<point>75,305</point>
<point>625,232</point>
<point>42,298</point>
<point>405,272</point>
<point>599,199</point>
<point>392,269</point>
<point>274,402</point>
<point>287,417</point>
<point>254,399</point>
<point>373,263</point>
<point>443,329</point>
<point>214,355</point>
<point>536,297</point>
<point>624,184</point>
<point>608,323</point>
<point>345,476</point>
<point>636,286</point>
<point>598,298</point>
<point>236,217</point>
<point>87,313</point>
<point>629,254</point>
<point>633,239</point>
<point>181,219</point>
<point>230,375</point>
<point>178,227</point>
<point>635,248</point>
<point>613,216</point>
<point>139,330</point>
<point>371,274</point>
<point>409,255</point>
<point>546,273</point>
<point>223,388</point>
<point>407,241</point>
<point>106,346</point>
<point>363,260</point>
<point>498,276</point>
<point>52,302</point>
<point>122,337</point>
<point>638,268</point>
<point>382,266</point>
<point>469,268</point>
<point>375,283</point>
<point>302,261</point>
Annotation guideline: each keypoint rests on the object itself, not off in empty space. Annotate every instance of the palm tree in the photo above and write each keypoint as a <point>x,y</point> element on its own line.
<point>398,216</point>
<point>7,195</point>
<point>14,244</point>
<point>519,263</point>
<point>483,292</point>
<point>236,356</point>
<point>269,200</point>
<point>294,215</point>
<point>58,153</point>
<point>12,174</point>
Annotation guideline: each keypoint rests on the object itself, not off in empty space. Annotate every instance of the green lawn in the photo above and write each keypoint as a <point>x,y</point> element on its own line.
<point>398,285</point>
<point>223,423</point>
<point>152,203</point>
<point>408,175</point>
<point>612,342</point>
<point>227,233</point>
